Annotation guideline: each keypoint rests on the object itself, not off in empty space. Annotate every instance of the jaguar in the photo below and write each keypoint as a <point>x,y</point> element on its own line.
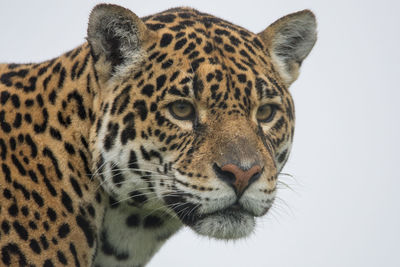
<point>175,119</point>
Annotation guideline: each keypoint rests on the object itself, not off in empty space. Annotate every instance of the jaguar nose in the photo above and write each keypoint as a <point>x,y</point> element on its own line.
<point>237,177</point>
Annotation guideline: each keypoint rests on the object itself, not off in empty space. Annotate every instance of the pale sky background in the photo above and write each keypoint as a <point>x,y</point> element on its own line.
<point>343,208</point>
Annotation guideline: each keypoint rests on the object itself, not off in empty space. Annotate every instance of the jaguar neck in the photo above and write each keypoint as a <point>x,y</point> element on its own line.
<point>130,234</point>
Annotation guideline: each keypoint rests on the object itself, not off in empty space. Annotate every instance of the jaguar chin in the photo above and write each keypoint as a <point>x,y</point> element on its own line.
<point>233,222</point>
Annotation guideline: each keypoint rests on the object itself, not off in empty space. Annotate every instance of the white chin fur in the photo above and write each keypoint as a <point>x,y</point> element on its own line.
<point>225,225</point>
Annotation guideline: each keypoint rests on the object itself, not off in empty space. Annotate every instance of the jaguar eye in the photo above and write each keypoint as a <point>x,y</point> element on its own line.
<point>265,113</point>
<point>182,110</point>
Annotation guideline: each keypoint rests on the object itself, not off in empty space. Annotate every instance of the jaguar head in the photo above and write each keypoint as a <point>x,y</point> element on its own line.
<point>195,115</point>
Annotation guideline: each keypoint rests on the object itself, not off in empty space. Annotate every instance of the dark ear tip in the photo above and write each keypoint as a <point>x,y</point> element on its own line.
<point>109,8</point>
<point>101,10</point>
<point>307,12</point>
<point>306,15</point>
<point>104,12</point>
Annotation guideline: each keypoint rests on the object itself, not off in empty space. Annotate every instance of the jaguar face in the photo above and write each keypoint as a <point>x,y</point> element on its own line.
<point>197,119</point>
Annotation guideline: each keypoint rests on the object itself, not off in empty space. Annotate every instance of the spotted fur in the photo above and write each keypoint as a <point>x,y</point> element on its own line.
<point>95,168</point>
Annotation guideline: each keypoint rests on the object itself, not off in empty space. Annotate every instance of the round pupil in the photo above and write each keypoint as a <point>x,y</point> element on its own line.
<point>182,109</point>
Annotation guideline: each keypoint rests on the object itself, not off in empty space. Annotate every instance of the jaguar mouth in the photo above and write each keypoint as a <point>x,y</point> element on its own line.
<point>233,222</point>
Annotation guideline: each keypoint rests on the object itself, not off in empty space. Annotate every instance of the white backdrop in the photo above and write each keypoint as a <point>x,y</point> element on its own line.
<point>343,208</point>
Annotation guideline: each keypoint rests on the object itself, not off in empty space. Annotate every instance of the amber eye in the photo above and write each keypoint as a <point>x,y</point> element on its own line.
<point>265,113</point>
<point>182,110</point>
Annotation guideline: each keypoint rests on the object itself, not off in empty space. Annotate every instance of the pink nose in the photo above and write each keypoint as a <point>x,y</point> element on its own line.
<point>242,178</point>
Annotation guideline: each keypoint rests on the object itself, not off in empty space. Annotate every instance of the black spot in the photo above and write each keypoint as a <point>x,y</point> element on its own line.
<point>45,243</point>
<point>13,143</point>
<point>28,118</point>
<point>282,156</point>
<point>46,81</point>
<point>7,172</point>
<point>133,220</point>
<point>21,231</point>
<point>18,164</point>
<point>63,230</point>
<point>61,78</point>
<point>235,41</point>
<point>5,226</point>
<point>148,90</point>
<point>180,44</point>
<point>128,133</point>
<point>3,149</point>
<point>189,48</point>
<point>5,126</point>
<point>222,32</point>
<point>242,78</point>
<point>85,162</point>
<point>7,193</point>
<point>67,202</point>
<point>160,81</point>
<point>52,97</point>
<point>69,148</point>
<point>138,197</point>
<point>111,135</point>
<point>34,245</point>
<point>229,48</point>
<point>13,210</point>
<point>74,254</point>
<point>141,107</point>
<point>29,102</point>
<point>117,176</point>
<point>4,96</point>
<point>91,210</point>
<point>152,221</point>
<point>75,186</point>
<point>46,226</point>
<point>17,120</point>
<point>48,263</point>
<point>155,27</point>
<point>61,257</point>
<point>98,197</point>
<point>166,39</point>
<point>51,214</point>
<point>38,199</point>
<point>55,133</point>
<point>132,164</point>
<point>167,64</point>
<point>165,18</point>
<point>25,211</point>
<point>113,202</point>
<point>33,225</point>
<point>83,223</point>
<point>15,101</point>
<point>39,100</point>
<point>161,57</point>
<point>174,76</point>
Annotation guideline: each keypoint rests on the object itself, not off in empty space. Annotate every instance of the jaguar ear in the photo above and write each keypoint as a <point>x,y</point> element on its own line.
<point>116,37</point>
<point>289,40</point>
